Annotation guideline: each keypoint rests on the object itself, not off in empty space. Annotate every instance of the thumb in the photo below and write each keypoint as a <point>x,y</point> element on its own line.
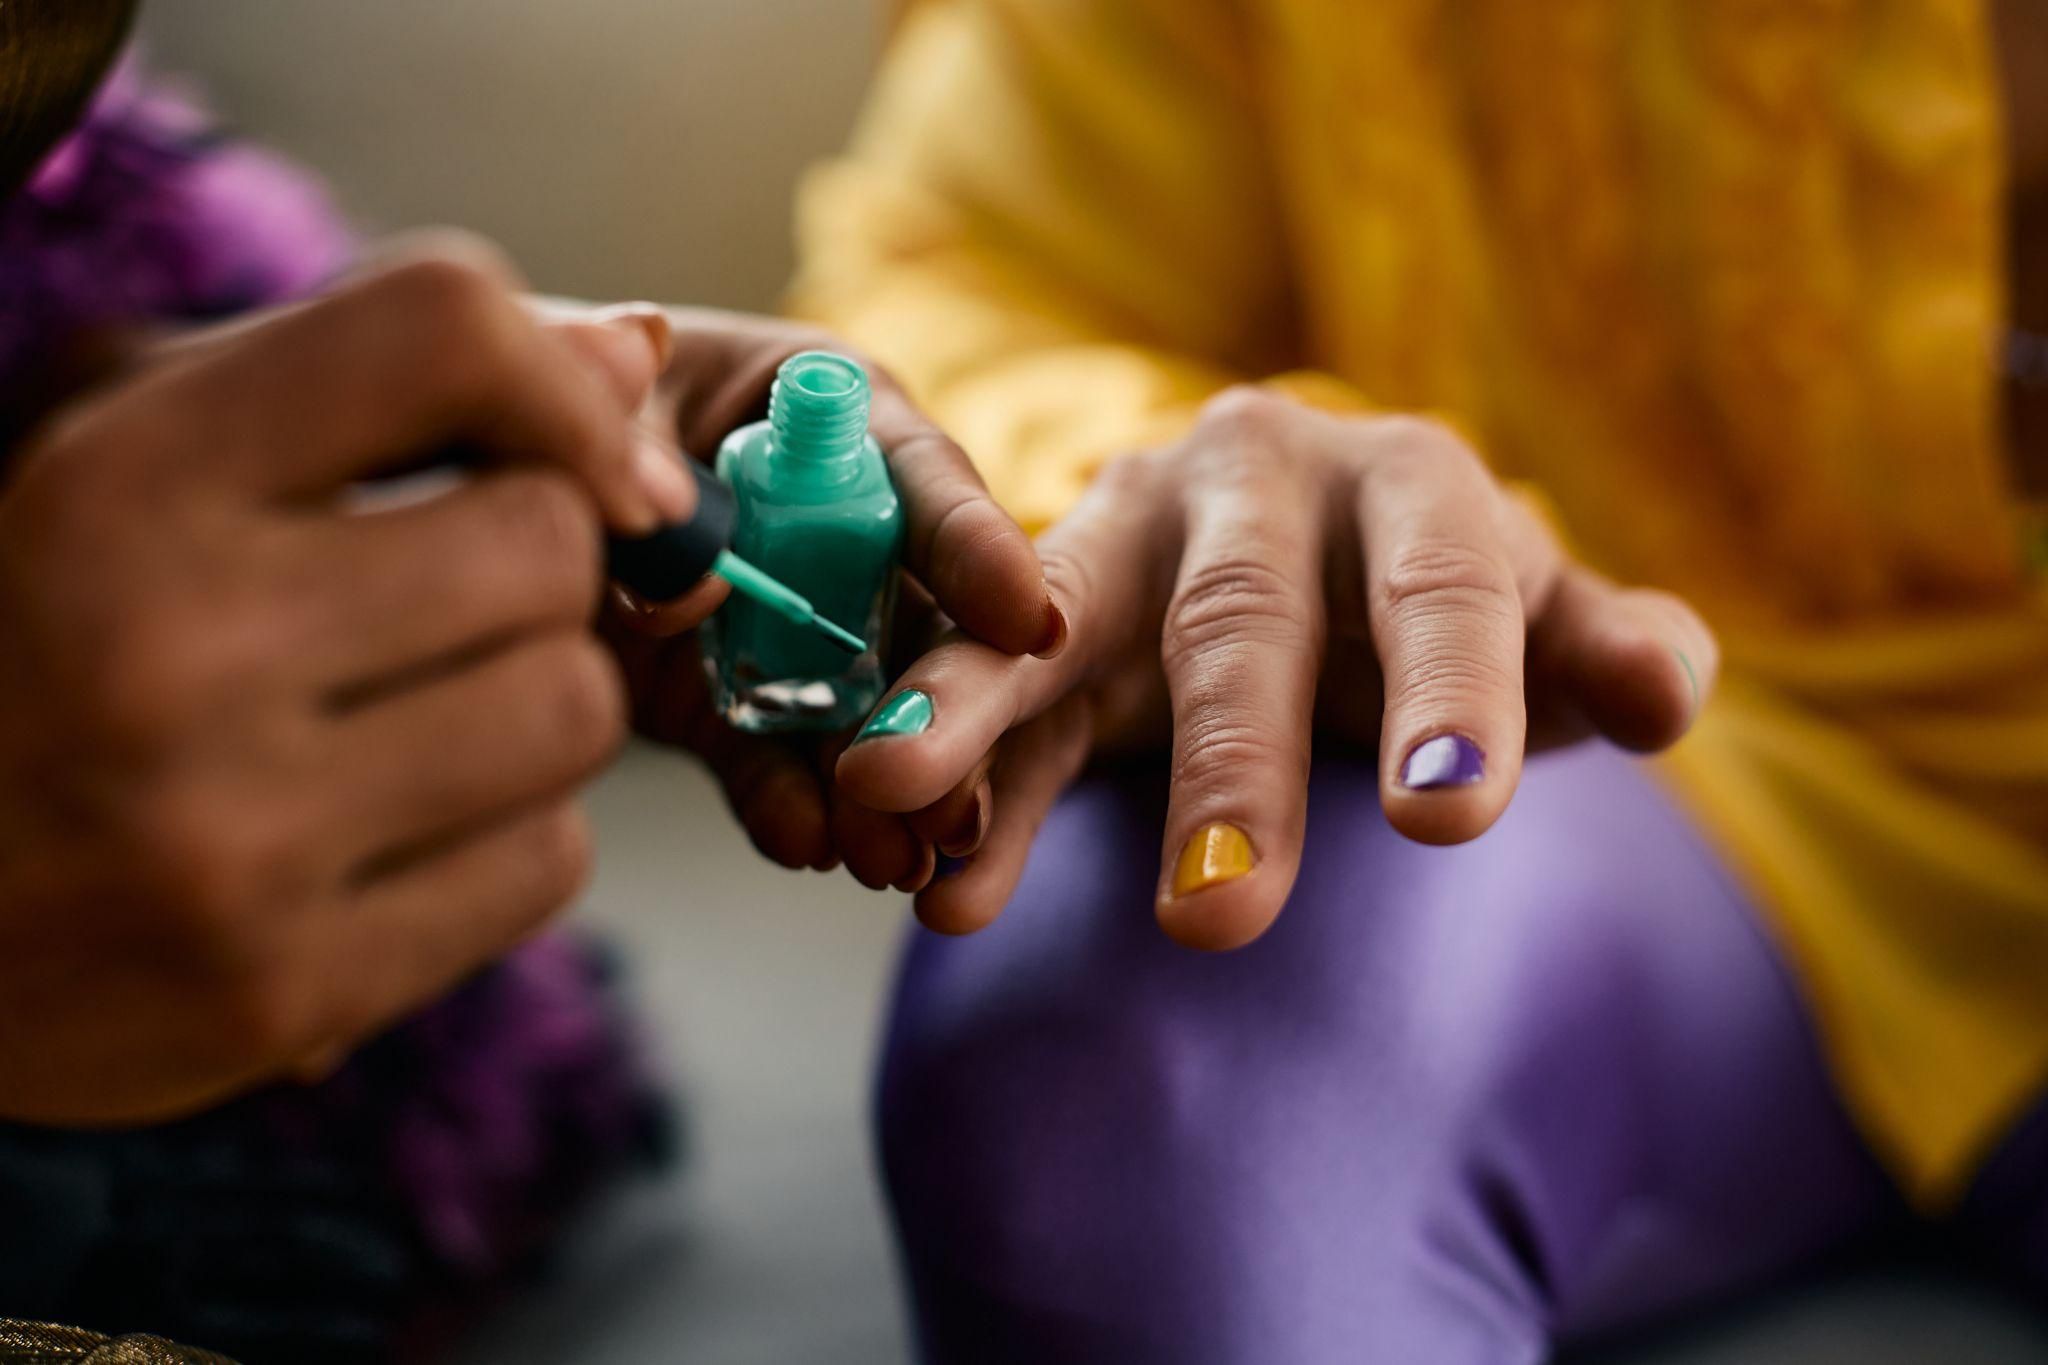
<point>628,346</point>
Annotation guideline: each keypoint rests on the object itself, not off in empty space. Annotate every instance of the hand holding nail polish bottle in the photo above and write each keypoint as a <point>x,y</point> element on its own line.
<point>816,511</point>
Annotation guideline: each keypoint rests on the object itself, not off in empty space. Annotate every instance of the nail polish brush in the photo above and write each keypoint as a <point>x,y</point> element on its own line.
<point>666,564</point>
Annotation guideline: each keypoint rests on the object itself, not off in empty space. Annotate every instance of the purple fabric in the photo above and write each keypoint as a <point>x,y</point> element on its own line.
<point>146,214</point>
<point>1459,1105</point>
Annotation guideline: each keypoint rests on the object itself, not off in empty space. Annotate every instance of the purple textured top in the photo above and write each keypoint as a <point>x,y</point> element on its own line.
<point>146,212</point>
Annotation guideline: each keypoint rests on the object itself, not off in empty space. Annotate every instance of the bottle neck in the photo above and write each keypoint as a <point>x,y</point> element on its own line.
<point>818,409</point>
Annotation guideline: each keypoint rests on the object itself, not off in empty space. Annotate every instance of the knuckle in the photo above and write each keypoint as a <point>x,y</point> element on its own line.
<point>455,255</point>
<point>1414,431</point>
<point>1453,675</point>
<point>1439,575</point>
<point>199,864</point>
<point>1241,599</point>
<point>1130,475</point>
<point>584,699</point>
<point>1246,411</point>
<point>267,1014</point>
<point>460,315</point>
<point>561,850</point>
<point>144,682</point>
<point>1217,746</point>
<point>546,522</point>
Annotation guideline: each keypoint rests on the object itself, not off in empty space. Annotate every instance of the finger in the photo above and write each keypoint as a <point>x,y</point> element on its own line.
<point>408,938</point>
<point>973,557</point>
<point>1242,647</point>
<point>957,822</point>
<point>878,847</point>
<point>1446,615</point>
<point>773,789</point>
<point>1098,562</point>
<point>1037,763</point>
<point>522,726</point>
<point>1631,664</point>
<point>501,555</point>
<point>429,354</point>
<point>778,797</point>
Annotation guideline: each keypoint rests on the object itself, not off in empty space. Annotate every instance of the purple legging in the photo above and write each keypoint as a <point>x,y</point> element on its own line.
<point>1459,1105</point>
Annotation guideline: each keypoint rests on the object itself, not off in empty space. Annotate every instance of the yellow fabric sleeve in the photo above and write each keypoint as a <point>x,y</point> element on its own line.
<point>1054,227</point>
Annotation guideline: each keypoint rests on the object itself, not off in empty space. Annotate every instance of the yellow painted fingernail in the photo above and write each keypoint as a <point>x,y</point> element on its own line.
<point>1216,854</point>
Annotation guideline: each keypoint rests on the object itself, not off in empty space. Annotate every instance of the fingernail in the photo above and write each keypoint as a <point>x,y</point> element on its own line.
<point>907,713</point>
<point>650,321</point>
<point>1055,633</point>
<point>947,867</point>
<point>1217,854</point>
<point>629,601</point>
<point>1690,676</point>
<point>662,477</point>
<point>973,828</point>
<point>1446,761</point>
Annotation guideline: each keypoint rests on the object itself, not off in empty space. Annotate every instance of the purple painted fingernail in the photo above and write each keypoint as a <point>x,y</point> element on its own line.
<point>1446,761</point>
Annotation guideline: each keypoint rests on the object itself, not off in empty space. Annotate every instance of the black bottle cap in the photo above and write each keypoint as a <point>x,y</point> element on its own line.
<point>663,566</point>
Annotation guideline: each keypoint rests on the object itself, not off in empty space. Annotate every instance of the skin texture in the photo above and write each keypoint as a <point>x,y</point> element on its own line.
<point>1283,577</point>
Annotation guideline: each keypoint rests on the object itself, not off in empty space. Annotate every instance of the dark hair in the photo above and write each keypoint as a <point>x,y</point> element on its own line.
<point>52,54</point>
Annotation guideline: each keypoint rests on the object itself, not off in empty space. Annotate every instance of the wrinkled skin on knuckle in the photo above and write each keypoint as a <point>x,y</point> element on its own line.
<point>1217,747</point>
<point>1243,600</point>
<point>1450,677</point>
<point>1441,576</point>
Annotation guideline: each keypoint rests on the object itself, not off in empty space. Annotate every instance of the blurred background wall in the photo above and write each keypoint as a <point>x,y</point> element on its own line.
<point>619,148</point>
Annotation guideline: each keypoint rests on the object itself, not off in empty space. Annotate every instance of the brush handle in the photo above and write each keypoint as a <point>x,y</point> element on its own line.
<point>663,566</point>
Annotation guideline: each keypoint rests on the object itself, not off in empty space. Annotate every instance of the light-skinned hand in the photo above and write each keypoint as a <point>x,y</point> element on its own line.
<point>1281,578</point>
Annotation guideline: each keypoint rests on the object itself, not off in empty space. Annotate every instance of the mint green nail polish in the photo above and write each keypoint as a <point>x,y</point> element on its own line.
<point>816,512</point>
<point>1690,676</point>
<point>906,713</point>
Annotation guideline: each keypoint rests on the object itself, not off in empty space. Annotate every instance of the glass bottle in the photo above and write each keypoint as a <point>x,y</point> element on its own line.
<point>817,511</point>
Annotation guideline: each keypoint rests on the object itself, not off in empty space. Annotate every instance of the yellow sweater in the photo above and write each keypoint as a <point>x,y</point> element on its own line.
<point>1721,279</point>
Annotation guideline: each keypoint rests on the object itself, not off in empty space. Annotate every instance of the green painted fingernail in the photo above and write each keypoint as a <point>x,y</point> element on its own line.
<point>1690,676</point>
<point>906,713</point>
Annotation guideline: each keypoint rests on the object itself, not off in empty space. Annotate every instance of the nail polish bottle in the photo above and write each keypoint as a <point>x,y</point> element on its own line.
<point>817,511</point>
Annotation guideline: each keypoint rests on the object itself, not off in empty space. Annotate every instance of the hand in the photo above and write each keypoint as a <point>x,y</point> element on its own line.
<point>276,767</point>
<point>962,552</point>
<point>1282,574</point>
